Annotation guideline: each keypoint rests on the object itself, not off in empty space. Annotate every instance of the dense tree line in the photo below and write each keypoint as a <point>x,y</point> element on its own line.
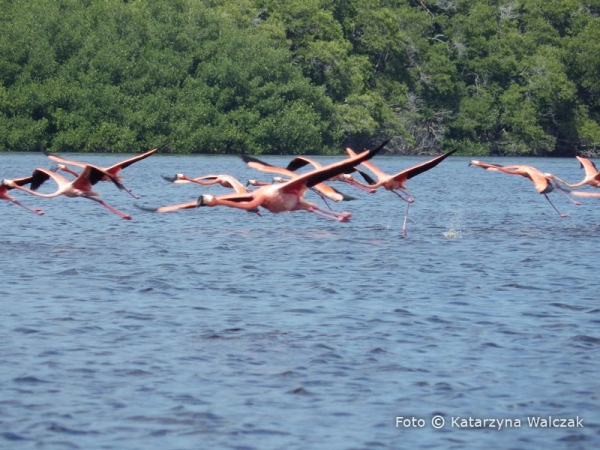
<point>301,76</point>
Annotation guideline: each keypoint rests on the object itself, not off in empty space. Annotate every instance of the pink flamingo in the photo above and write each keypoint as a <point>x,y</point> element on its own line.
<point>395,183</point>
<point>300,161</point>
<point>112,171</point>
<point>591,178</point>
<point>284,197</point>
<point>321,189</point>
<point>541,181</point>
<point>79,187</point>
<point>7,185</point>
<point>224,180</point>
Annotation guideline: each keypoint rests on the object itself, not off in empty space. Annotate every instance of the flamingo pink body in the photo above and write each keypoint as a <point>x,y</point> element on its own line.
<point>224,180</point>
<point>7,185</point>
<point>591,178</point>
<point>301,161</point>
<point>321,189</point>
<point>79,187</point>
<point>541,181</point>
<point>112,172</point>
<point>284,197</point>
<point>397,181</point>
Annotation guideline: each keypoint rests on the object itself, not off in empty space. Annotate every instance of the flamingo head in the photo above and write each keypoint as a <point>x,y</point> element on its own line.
<point>474,162</point>
<point>279,180</point>
<point>205,200</point>
<point>176,178</point>
<point>8,183</point>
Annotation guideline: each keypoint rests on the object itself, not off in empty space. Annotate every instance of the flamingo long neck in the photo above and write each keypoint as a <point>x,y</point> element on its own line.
<point>40,194</point>
<point>248,206</point>
<point>576,185</point>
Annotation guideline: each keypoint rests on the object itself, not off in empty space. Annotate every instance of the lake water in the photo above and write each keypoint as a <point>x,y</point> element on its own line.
<point>217,328</point>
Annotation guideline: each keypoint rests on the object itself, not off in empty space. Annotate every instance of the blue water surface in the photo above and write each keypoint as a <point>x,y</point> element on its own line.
<point>217,328</point>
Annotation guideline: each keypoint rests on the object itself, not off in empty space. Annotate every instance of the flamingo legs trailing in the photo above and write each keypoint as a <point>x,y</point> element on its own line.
<point>79,187</point>
<point>112,171</point>
<point>286,196</point>
<point>7,185</point>
<point>541,181</point>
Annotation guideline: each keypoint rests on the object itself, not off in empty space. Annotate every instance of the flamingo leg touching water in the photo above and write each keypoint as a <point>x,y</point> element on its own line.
<point>541,181</point>
<point>396,182</point>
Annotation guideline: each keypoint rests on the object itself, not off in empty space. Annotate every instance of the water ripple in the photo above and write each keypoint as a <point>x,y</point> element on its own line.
<point>289,331</point>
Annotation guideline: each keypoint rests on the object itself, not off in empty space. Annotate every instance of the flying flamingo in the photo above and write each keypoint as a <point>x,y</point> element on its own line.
<point>284,197</point>
<point>7,185</point>
<point>79,187</point>
<point>113,170</point>
<point>395,183</point>
<point>321,189</point>
<point>541,181</point>
<point>592,176</point>
<point>224,180</point>
<point>300,161</point>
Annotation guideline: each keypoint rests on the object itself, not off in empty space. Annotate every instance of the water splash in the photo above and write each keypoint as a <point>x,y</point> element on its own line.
<point>454,230</point>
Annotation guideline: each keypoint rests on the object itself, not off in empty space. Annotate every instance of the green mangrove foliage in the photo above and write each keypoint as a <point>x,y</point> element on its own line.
<point>518,77</point>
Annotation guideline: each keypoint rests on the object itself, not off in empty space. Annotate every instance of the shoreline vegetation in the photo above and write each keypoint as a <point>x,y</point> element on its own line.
<point>501,78</point>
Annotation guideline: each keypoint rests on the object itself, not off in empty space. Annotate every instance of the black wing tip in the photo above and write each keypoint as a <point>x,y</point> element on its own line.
<point>98,174</point>
<point>37,179</point>
<point>249,159</point>
<point>345,197</point>
<point>380,146</point>
<point>296,163</point>
<point>145,208</point>
<point>366,176</point>
<point>164,146</point>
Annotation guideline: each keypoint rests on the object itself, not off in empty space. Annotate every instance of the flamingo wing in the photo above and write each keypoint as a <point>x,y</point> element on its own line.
<point>92,175</point>
<point>317,176</point>
<point>365,176</point>
<point>588,166</point>
<point>23,181</point>
<point>237,198</point>
<point>424,167</point>
<point>40,176</point>
<point>541,183</point>
<point>61,160</point>
<point>115,168</point>
<point>257,164</point>
<point>233,183</point>
<point>380,174</point>
<point>301,161</point>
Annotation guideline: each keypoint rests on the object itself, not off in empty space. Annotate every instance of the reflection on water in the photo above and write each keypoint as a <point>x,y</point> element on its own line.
<point>291,331</point>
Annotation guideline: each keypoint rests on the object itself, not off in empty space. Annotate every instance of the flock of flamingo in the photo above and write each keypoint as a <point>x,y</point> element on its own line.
<point>285,193</point>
